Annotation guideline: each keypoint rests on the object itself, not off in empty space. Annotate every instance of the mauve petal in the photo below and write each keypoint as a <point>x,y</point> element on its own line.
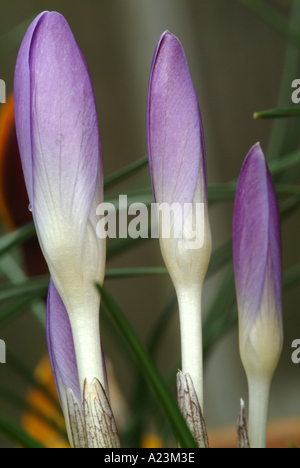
<point>22,103</point>
<point>65,142</point>
<point>61,345</point>
<point>256,236</point>
<point>174,129</point>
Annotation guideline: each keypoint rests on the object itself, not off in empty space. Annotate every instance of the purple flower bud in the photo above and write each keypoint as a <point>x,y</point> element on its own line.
<point>258,274</point>
<point>178,173</point>
<point>59,142</point>
<point>174,128</point>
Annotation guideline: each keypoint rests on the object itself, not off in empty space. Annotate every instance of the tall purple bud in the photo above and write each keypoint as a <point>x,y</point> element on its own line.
<point>178,173</point>
<point>59,142</point>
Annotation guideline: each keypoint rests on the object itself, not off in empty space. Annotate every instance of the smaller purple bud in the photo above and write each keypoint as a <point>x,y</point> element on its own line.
<point>258,278</point>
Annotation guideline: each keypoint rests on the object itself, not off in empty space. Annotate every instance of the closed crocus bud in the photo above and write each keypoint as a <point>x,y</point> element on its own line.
<point>258,279</point>
<point>58,136</point>
<point>178,173</point>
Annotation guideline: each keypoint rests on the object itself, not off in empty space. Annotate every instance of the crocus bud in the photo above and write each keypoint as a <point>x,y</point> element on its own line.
<point>258,279</point>
<point>89,419</point>
<point>178,173</point>
<point>58,136</point>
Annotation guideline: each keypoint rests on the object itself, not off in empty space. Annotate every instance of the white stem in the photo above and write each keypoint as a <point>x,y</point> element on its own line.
<point>259,390</point>
<point>191,338</point>
<point>86,336</point>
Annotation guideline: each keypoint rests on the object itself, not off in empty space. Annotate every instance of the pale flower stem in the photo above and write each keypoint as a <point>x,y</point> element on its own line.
<point>258,412</point>
<point>191,338</point>
<point>88,352</point>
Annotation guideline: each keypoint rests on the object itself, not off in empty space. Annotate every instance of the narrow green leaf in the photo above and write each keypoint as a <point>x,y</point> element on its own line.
<point>151,373</point>
<point>133,196</point>
<point>120,245</point>
<point>284,163</point>
<point>276,167</point>
<point>15,274</point>
<point>286,189</point>
<point>37,285</point>
<point>291,276</point>
<point>221,192</point>
<point>116,335</point>
<point>16,238</point>
<point>220,257</point>
<point>289,206</point>
<point>14,432</point>
<point>125,172</point>
<point>224,192</point>
<point>161,325</point>
<point>14,310</point>
<point>274,19</point>
<point>142,401</point>
<point>284,134</point>
<point>221,316</point>
<point>277,113</point>
<point>133,272</point>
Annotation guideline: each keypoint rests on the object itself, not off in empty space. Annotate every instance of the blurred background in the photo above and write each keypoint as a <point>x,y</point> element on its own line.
<point>236,61</point>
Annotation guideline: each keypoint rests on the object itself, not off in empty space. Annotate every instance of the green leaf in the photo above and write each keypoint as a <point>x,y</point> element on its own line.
<point>151,373</point>
<point>14,310</point>
<point>221,192</point>
<point>281,164</point>
<point>13,271</point>
<point>277,113</point>
<point>289,206</point>
<point>133,196</point>
<point>14,432</point>
<point>217,192</point>
<point>142,401</point>
<point>227,191</point>
<point>133,272</point>
<point>220,257</point>
<point>276,167</point>
<point>274,19</point>
<point>286,189</point>
<point>284,134</point>
<point>120,245</point>
<point>221,316</point>
<point>223,313</point>
<point>125,172</point>
<point>291,276</point>
<point>160,327</point>
<point>37,286</point>
<point>16,238</point>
